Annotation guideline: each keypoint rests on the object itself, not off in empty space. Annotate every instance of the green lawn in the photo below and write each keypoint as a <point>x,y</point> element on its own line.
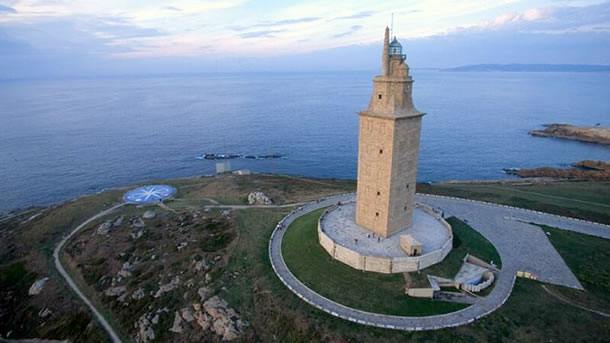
<point>367,291</point>
<point>589,259</point>
<point>585,200</point>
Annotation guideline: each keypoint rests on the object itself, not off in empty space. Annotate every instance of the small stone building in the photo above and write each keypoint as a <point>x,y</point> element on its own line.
<point>410,245</point>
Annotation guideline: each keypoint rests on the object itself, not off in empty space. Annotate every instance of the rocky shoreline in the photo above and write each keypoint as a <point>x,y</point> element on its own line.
<point>583,170</point>
<point>596,134</point>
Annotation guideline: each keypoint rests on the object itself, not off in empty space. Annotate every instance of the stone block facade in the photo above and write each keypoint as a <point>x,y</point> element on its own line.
<point>388,148</point>
<point>384,264</point>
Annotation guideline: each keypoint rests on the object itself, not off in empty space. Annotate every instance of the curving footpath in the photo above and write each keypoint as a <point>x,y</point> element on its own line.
<point>62,271</point>
<point>506,227</point>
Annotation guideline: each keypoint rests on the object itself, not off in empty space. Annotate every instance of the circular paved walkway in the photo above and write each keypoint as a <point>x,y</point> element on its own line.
<point>502,225</point>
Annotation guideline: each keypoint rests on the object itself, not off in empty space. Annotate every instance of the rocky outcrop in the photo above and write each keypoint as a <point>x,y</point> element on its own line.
<point>225,321</point>
<point>259,198</point>
<point>583,170</point>
<point>37,286</point>
<point>597,134</point>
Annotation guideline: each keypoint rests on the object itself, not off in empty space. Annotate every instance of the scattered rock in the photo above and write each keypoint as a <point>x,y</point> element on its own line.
<point>118,222</point>
<point>115,291</point>
<point>37,286</point>
<point>149,214</point>
<point>45,312</point>
<point>137,234</point>
<point>204,293</point>
<point>226,213</point>
<point>138,294</point>
<point>125,270</point>
<point>138,223</point>
<point>145,331</point>
<point>182,245</point>
<point>177,328</point>
<point>187,315</point>
<point>104,228</point>
<point>259,198</point>
<point>201,265</point>
<point>203,320</point>
<point>168,287</point>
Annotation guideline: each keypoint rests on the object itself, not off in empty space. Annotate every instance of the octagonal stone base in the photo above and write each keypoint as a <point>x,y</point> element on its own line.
<point>357,247</point>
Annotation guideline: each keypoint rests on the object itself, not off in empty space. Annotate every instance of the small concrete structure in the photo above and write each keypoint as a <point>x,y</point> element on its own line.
<point>474,276</point>
<point>350,243</point>
<point>410,245</point>
<point>223,167</point>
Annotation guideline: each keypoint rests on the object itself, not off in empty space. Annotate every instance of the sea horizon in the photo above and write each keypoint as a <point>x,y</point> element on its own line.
<point>65,137</point>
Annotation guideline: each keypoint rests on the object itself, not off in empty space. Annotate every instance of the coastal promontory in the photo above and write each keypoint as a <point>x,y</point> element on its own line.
<point>595,134</point>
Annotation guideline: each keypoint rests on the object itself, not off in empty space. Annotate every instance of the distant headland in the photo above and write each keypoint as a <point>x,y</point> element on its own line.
<point>596,134</point>
<point>571,68</point>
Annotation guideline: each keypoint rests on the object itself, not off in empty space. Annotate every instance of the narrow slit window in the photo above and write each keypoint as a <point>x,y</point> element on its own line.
<point>380,151</point>
<point>379,96</point>
<point>376,214</point>
<point>378,193</point>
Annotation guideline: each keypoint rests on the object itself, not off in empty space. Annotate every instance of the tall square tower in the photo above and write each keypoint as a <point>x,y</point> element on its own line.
<point>388,148</point>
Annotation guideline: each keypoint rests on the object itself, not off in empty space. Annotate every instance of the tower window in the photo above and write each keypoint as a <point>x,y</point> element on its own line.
<point>379,96</point>
<point>378,193</point>
<point>407,186</point>
<point>376,214</point>
<point>381,151</point>
<point>405,208</point>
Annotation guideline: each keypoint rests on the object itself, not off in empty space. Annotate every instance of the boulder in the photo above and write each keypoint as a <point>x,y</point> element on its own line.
<point>45,312</point>
<point>118,222</point>
<point>138,223</point>
<point>226,322</point>
<point>259,198</point>
<point>204,293</point>
<point>177,328</point>
<point>138,294</point>
<point>125,271</point>
<point>187,315</point>
<point>115,291</point>
<point>149,214</point>
<point>37,286</point>
<point>168,287</point>
<point>104,228</point>
<point>145,331</point>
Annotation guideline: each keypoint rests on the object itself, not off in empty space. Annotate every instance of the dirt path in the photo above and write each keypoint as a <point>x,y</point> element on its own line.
<point>572,303</point>
<point>62,271</point>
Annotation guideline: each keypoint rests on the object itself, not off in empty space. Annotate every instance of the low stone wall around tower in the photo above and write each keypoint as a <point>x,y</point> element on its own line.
<point>382,264</point>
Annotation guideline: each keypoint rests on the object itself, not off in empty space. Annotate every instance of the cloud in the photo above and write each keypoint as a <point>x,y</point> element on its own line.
<point>172,8</point>
<point>6,9</point>
<point>260,34</point>
<point>551,19</point>
<point>276,23</point>
<point>359,15</point>
<point>350,32</point>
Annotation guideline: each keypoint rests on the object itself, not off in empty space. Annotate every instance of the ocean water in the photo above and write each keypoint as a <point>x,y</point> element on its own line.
<point>63,138</point>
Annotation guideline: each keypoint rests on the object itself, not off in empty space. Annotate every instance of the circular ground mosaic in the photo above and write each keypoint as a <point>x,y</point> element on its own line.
<point>149,194</point>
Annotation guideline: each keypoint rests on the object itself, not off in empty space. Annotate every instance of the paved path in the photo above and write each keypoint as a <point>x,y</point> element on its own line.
<point>113,335</point>
<point>522,247</point>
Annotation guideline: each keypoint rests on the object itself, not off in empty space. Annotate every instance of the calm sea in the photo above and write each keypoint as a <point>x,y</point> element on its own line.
<point>63,138</point>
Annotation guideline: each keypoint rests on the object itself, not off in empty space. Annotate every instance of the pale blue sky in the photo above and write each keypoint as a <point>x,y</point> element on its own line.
<point>61,37</point>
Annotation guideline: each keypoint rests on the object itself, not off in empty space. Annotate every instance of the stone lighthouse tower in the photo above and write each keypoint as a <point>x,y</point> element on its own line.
<point>388,147</point>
